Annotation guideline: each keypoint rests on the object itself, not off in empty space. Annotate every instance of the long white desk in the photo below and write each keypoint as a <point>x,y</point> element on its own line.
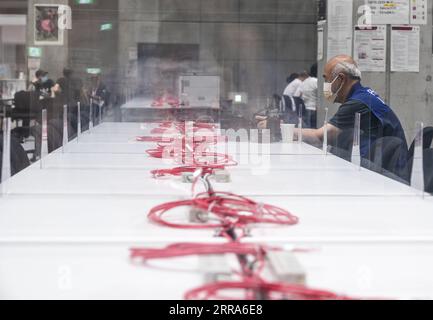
<point>281,182</point>
<point>80,214</point>
<point>101,166</point>
<point>108,219</point>
<point>105,272</point>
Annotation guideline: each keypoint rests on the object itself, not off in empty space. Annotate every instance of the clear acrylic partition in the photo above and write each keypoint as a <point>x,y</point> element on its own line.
<point>325,136</point>
<point>65,138</point>
<point>356,146</point>
<point>43,137</point>
<point>6,155</point>
<point>79,128</point>
<point>157,101</point>
<point>417,170</point>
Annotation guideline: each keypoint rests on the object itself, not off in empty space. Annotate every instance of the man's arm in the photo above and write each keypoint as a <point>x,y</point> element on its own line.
<point>342,120</point>
<point>316,135</point>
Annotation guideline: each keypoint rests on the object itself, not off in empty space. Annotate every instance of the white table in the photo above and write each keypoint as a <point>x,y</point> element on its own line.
<point>333,182</point>
<point>105,272</point>
<point>78,216</point>
<point>122,138</point>
<point>85,272</point>
<point>118,165</point>
<point>123,219</point>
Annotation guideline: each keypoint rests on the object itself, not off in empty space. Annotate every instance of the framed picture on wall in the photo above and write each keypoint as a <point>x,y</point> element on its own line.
<point>47,32</point>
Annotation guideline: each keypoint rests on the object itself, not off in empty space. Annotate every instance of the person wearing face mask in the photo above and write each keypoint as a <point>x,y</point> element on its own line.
<point>41,84</point>
<point>343,85</point>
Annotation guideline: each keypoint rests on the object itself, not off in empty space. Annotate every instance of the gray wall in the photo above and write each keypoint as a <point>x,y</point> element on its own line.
<point>85,45</point>
<point>54,58</point>
<point>89,47</point>
<point>411,93</point>
<point>251,44</point>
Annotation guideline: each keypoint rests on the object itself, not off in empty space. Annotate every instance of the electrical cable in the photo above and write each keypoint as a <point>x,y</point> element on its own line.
<point>180,127</point>
<point>202,159</point>
<point>189,249</point>
<point>219,210</point>
<point>230,211</point>
<point>196,155</point>
<point>178,171</point>
<point>250,287</point>
<point>154,139</point>
<point>242,250</point>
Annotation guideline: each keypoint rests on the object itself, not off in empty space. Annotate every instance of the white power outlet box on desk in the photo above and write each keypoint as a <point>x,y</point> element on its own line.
<point>285,267</point>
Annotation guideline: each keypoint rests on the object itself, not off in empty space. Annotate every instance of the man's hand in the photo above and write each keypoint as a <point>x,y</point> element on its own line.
<point>314,136</point>
<point>262,122</point>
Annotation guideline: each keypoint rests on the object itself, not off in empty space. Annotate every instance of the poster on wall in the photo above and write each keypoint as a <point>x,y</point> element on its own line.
<point>405,44</point>
<point>418,12</point>
<point>47,32</point>
<point>389,12</point>
<point>339,27</point>
<point>370,48</point>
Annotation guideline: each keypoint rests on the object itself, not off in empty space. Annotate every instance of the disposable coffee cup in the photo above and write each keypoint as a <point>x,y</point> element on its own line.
<point>287,132</point>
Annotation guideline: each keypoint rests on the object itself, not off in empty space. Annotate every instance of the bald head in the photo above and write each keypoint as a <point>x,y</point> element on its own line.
<point>343,72</point>
<point>342,64</point>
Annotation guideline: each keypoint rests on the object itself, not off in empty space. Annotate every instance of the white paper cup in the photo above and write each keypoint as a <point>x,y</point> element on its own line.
<point>287,132</point>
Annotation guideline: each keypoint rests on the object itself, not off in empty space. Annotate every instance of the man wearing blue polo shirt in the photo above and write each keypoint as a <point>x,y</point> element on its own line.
<point>343,85</point>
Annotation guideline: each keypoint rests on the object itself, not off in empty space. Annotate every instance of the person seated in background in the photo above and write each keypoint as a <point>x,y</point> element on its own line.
<point>41,84</point>
<point>307,91</point>
<point>343,85</point>
<point>19,159</point>
<point>293,84</point>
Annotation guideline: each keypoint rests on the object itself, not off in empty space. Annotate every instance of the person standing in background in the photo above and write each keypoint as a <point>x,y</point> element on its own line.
<point>294,81</point>
<point>40,89</point>
<point>68,88</point>
<point>99,96</point>
<point>68,91</point>
<point>307,91</point>
<point>41,84</point>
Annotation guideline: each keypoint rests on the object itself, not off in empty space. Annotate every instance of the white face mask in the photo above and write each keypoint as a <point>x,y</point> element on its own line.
<point>327,90</point>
